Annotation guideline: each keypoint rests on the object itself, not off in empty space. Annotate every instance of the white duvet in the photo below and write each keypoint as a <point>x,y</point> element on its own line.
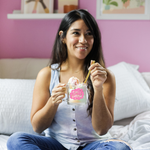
<point>137,133</point>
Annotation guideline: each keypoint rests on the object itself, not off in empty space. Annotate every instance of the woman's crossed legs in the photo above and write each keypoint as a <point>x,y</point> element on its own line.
<point>25,141</point>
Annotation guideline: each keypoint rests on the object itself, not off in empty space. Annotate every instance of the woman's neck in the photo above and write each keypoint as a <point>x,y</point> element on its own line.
<point>73,66</point>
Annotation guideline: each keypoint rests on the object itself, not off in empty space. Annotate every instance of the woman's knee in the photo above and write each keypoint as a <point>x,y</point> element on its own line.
<point>119,144</point>
<point>15,140</point>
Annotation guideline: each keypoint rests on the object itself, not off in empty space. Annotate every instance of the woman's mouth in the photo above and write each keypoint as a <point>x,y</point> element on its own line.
<point>82,48</point>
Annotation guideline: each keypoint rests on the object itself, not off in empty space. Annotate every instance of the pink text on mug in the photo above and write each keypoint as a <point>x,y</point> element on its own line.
<point>77,94</point>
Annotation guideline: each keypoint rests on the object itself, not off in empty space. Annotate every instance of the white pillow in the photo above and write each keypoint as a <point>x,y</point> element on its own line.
<point>134,66</point>
<point>146,76</point>
<point>132,92</point>
<point>15,105</point>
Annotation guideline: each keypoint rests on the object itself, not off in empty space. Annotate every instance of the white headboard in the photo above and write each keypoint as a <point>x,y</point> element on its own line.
<point>22,68</point>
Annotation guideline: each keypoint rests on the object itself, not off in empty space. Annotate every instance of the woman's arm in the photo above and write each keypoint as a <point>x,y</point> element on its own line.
<point>104,98</point>
<point>45,106</point>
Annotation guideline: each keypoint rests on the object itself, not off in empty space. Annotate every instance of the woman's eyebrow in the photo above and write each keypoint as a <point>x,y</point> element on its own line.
<point>79,30</point>
<point>75,29</point>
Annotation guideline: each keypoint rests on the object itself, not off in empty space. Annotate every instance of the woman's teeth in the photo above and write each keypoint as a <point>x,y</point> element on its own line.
<point>83,48</point>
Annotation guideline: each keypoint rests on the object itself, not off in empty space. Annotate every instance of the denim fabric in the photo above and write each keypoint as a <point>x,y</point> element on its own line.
<point>25,141</point>
<point>107,145</point>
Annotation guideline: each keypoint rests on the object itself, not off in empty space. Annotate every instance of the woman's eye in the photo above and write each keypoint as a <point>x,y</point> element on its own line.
<point>76,33</point>
<point>88,33</point>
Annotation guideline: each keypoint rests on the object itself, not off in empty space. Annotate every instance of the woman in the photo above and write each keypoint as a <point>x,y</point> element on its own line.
<point>78,41</point>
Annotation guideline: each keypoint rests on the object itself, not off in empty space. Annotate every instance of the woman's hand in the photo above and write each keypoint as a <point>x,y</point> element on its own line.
<point>58,93</point>
<point>98,75</point>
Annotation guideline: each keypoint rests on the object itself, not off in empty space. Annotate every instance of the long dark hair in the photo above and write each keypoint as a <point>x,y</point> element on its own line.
<point>59,52</point>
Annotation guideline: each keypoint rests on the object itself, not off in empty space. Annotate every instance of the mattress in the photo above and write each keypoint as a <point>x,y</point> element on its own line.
<point>123,122</point>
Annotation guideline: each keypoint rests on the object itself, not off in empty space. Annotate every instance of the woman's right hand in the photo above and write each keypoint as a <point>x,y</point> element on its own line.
<point>58,93</point>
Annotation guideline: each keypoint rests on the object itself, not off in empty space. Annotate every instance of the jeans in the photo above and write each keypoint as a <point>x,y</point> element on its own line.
<point>25,141</point>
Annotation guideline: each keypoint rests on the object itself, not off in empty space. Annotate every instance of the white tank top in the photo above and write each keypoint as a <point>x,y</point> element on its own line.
<point>71,126</point>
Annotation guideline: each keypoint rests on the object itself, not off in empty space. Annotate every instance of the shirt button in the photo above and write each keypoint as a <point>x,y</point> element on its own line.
<point>73,109</point>
<point>75,129</point>
<point>74,120</point>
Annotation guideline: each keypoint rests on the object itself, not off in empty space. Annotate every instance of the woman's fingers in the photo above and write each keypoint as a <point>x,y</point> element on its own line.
<point>97,69</point>
<point>59,89</point>
<point>58,93</point>
<point>94,66</point>
<point>56,98</point>
<point>98,73</point>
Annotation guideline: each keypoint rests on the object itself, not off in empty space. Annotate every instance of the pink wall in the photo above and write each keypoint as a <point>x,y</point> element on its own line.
<point>122,40</point>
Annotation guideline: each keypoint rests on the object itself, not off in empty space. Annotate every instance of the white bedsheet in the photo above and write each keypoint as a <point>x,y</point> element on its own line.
<point>137,133</point>
<point>3,140</point>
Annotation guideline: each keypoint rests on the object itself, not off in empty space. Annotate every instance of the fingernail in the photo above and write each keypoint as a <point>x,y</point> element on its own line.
<point>92,62</point>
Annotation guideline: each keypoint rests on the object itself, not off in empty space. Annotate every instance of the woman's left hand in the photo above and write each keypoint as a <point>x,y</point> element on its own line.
<point>98,75</point>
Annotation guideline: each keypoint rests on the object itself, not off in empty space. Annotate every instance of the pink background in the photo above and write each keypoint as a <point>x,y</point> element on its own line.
<point>122,40</point>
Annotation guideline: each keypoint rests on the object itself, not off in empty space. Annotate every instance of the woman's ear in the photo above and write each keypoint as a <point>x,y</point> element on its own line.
<point>61,36</point>
<point>61,33</point>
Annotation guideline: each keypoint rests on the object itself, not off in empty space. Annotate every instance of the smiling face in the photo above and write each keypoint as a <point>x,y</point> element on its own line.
<point>79,40</point>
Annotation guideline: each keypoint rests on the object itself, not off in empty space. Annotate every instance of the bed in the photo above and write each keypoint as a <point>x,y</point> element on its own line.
<point>132,103</point>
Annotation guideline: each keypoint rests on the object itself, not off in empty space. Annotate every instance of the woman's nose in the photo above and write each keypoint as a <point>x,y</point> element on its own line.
<point>82,39</point>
